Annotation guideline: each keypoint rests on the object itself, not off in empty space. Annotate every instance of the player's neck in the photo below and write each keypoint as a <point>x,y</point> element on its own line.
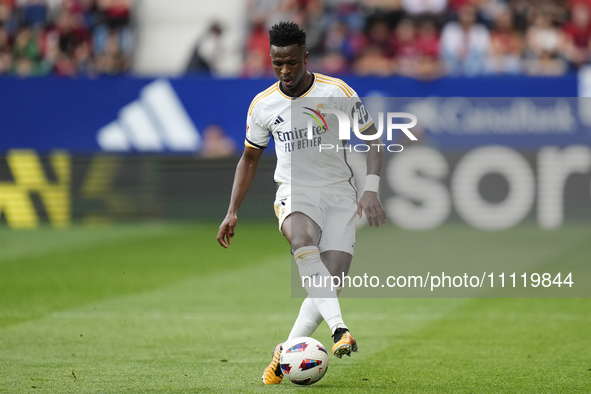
<point>304,85</point>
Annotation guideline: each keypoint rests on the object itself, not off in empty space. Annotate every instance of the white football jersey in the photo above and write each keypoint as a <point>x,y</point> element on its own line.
<point>300,160</point>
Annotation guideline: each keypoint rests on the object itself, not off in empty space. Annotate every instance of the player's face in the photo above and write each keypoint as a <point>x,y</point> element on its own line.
<point>289,64</point>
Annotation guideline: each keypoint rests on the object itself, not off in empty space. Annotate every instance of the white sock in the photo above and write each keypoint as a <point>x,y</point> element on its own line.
<point>323,296</point>
<point>307,322</point>
<point>308,319</point>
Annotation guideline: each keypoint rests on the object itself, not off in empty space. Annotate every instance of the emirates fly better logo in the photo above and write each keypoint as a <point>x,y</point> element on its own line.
<point>360,116</point>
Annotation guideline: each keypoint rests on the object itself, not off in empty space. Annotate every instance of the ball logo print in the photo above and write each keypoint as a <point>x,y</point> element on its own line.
<point>300,347</point>
<point>308,364</point>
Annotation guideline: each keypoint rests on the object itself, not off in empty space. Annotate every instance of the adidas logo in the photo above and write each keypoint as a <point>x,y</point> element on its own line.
<point>156,122</point>
<point>279,120</point>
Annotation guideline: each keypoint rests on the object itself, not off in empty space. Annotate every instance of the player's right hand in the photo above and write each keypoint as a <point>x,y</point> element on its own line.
<point>226,231</point>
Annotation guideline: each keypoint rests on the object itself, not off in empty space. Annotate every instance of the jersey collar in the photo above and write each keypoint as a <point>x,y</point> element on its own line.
<point>287,96</point>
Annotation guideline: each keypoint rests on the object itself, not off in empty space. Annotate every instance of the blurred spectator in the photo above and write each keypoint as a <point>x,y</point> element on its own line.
<point>385,37</point>
<point>490,10</point>
<point>260,9</point>
<point>5,15</point>
<point>64,66</point>
<point>317,22</point>
<point>465,44</point>
<point>389,10</point>
<point>373,62</point>
<point>26,45</point>
<point>576,34</point>
<point>348,11</point>
<point>382,5</point>
<point>70,32</point>
<point>405,47</point>
<point>216,144</point>
<point>65,37</point>
<point>506,46</point>
<point>542,36</point>
<point>116,12</point>
<point>259,37</point>
<point>83,59</point>
<point>288,10</point>
<point>523,11</point>
<point>455,5</point>
<point>427,68</point>
<point>379,36</point>
<point>257,64</point>
<point>427,65</point>
<point>34,13</point>
<point>4,41</point>
<point>427,40</point>
<point>416,38</point>
<point>23,67</point>
<point>334,63</point>
<point>341,39</point>
<point>417,7</point>
<point>547,64</point>
<point>5,61</point>
<point>206,55</point>
<point>543,47</point>
<point>111,61</point>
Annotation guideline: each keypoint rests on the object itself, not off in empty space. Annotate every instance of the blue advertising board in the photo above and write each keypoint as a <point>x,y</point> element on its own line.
<point>169,115</point>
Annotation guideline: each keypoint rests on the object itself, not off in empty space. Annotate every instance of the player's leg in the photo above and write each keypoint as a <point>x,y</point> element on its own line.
<point>337,244</point>
<point>303,234</point>
<point>273,373</point>
<point>309,318</point>
<point>338,263</point>
<point>308,235</point>
<point>307,321</point>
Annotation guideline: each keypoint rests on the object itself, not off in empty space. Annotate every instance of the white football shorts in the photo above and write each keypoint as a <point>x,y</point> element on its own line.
<point>335,214</point>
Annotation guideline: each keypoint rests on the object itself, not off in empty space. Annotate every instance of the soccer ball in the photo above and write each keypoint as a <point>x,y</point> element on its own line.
<point>303,360</point>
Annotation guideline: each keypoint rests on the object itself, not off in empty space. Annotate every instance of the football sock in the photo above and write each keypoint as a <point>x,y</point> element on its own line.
<point>323,296</point>
<point>308,320</point>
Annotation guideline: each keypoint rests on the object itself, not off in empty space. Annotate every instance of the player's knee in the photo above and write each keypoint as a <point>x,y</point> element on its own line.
<point>301,240</point>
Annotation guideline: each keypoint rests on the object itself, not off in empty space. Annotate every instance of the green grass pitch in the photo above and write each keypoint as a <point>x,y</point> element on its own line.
<point>163,309</point>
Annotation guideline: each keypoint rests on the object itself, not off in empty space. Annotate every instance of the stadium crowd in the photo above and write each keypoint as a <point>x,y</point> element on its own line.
<point>418,38</point>
<point>65,37</point>
<point>428,38</point>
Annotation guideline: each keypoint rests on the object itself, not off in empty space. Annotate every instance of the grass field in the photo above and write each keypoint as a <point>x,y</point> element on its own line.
<point>162,308</point>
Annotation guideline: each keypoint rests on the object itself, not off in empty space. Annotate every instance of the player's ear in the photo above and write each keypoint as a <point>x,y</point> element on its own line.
<point>306,57</point>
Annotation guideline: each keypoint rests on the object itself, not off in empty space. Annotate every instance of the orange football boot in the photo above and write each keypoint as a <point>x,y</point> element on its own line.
<point>344,343</point>
<point>272,374</point>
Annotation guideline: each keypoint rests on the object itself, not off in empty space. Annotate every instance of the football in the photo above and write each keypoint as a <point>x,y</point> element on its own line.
<point>303,360</point>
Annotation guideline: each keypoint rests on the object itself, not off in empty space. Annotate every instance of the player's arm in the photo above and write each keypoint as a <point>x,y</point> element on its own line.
<point>370,202</point>
<point>245,172</point>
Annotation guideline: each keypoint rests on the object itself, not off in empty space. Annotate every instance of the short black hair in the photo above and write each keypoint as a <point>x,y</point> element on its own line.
<point>284,34</point>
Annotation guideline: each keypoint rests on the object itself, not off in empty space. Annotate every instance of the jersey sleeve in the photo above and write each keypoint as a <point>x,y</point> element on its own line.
<point>257,135</point>
<point>354,105</point>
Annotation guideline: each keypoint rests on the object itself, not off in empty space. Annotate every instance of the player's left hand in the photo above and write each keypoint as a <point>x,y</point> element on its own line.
<point>374,211</point>
<point>226,231</point>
